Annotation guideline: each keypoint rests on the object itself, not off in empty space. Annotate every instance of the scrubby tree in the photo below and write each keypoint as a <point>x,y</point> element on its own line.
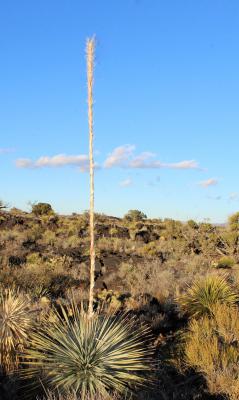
<point>233,222</point>
<point>40,209</point>
<point>232,234</point>
<point>135,215</point>
<point>3,205</point>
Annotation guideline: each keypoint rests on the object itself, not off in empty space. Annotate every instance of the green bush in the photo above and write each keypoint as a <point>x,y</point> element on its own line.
<point>234,222</point>
<point>135,215</point>
<point>226,262</point>
<point>40,209</point>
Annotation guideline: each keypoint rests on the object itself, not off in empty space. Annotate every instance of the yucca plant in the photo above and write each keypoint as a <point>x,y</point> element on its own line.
<point>202,295</point>
<point>90,356</point>
<point>71,396</point>
<point>15,323</point>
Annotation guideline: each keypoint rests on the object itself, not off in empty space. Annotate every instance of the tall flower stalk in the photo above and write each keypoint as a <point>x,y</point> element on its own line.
<point>90,50</point>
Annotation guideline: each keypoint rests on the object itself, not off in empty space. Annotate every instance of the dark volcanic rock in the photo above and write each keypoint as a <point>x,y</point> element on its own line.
<point>121,232</point>
<point>30,244</point>
<point>102,230</point>
<point>142,236</point>
<point>16,261</point>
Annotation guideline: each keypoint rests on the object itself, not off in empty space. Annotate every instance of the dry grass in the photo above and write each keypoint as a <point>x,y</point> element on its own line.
<point>212,349</point>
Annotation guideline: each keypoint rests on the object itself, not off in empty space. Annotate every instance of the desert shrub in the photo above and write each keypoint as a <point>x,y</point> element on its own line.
<point>173,229</point>
<point>205,293</point>
<point>211,347</point>
<point>9,236</point>
<point>113,231</point>
<point>49,238</point>
<point>34,258</point>
<point>114,244</point>
<point>206,227</point>
<point>234,222</point>
<point>60,282</point>
<point>70,242</point>
<point>89,356</point>
<point>16,211</point>
<point>40,209</point>
<point>148,278</point>
<point>40,274</point>
<point>150,249</point>
<point>2,219</point>
<point>135,215</point>
<point>109,300</point>
<point>15,323</point>
<point>225,262</point>
<point>33,233</point>
<point>192,224</point>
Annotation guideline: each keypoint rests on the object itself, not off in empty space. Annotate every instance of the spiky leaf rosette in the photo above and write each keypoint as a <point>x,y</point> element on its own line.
<point>72,396</point>
<point>89,355</point>
<point>15,322</point>
<point>206,293</point>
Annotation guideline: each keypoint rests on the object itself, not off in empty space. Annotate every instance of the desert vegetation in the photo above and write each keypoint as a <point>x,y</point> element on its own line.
<point>165,307</point>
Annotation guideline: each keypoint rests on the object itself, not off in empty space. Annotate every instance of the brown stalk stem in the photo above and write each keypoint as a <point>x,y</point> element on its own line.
<point>90,48</point>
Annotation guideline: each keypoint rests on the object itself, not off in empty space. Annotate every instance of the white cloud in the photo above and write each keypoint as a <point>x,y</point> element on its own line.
<point>140,161</point>
<point>24,163</point>
<point>123,157</point>
<point>186,164</point>
<point>126,183</point>
<point>119,156</point>
<point>59,160</point>
<point>208,182</point>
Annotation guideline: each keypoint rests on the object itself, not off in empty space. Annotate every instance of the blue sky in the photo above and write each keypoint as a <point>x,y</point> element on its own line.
<point>166,105</point>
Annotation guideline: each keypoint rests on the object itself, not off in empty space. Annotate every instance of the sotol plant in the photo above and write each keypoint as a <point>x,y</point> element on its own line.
<point>15,322</point>
<point>89,356</point>
<point>72,396</point>
<point>205,293</point>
